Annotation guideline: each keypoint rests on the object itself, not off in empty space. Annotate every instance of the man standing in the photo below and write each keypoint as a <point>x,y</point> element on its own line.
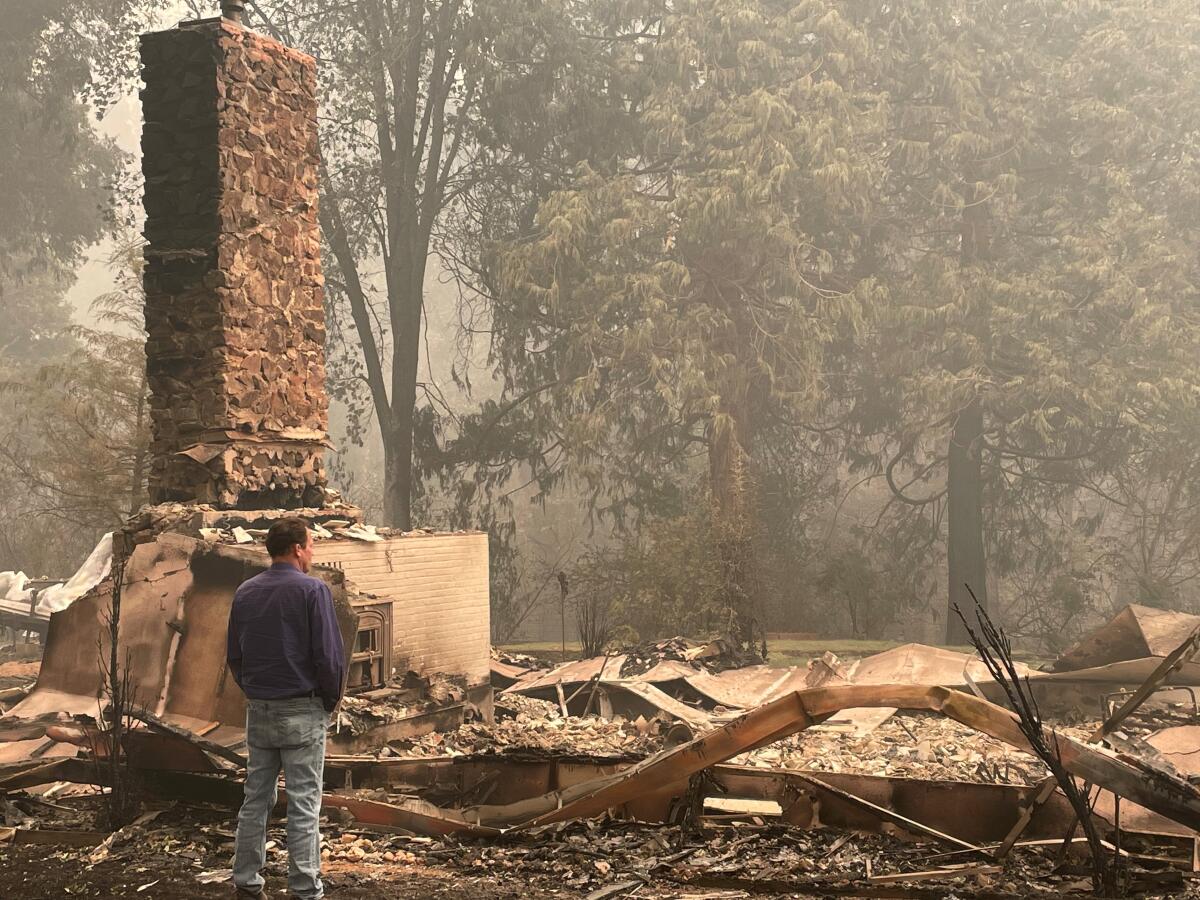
<point>285,651</point>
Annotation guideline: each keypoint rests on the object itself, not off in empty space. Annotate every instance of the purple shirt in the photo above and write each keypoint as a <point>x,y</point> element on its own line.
<point>284,639</point>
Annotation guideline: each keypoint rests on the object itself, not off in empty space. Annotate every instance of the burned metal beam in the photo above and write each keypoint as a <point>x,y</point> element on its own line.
<point>1155,790</point>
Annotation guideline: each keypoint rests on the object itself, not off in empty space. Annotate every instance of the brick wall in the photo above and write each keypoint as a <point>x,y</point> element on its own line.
<point>438,585</point>
<point>234,318</point>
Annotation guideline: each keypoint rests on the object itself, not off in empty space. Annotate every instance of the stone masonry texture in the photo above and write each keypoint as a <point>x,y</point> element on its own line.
<point>234,318</point>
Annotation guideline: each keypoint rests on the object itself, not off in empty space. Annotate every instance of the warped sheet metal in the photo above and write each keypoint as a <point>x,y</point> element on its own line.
<point>922,664</point>
<point>1159,791</point>
<point>914,664</point>
<point>734,689</point>
<point>174,611</point>
<point>747,687</point>
<point>632,699</point>
<point>1133,633</point>
<point>753,686</point>
<point>20,598</point>
<point>1124,672</point>
<point>979,813</point>
<point>1180,746</point>
<point>414,815</point>
<point>505,674</point>
<point>576,672</point>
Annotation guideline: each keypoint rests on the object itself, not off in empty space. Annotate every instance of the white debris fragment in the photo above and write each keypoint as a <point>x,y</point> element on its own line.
<point>361,533</point>
<point>91,573</point>
<point>13,593</point>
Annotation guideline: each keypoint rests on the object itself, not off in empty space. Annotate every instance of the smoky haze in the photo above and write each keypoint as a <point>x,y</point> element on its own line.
<point>733,318</point>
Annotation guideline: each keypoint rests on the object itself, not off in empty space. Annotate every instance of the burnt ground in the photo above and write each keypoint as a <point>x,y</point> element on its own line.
<point>42,873</point>
<point>184,851</point>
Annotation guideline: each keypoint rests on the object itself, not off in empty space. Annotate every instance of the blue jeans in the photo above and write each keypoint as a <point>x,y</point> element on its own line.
<point>287,735</point>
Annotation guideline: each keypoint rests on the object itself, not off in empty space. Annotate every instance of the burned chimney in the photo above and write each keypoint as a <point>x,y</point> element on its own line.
<point>234,319</point>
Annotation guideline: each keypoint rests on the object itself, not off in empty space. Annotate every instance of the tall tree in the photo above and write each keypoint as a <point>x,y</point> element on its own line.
<point>60,61</point>
<point>416,95</point>
<point>1028,251</point>
<point>74,434</point>
<point>676,299</point>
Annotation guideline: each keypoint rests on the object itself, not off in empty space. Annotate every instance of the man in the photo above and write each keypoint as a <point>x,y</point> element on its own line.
<point>285,651</point>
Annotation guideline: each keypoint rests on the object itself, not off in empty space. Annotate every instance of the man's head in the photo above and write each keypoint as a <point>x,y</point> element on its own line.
<point>289,541</point>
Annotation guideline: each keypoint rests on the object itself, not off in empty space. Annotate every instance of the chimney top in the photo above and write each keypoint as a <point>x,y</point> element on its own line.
<point>232,10</point>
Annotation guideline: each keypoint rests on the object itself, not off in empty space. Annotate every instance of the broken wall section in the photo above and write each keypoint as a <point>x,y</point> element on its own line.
<point>438,585</point>
<point>234,318</point>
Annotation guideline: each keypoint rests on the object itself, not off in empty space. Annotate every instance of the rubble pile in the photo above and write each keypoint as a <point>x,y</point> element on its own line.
<point>714,656</point>
<point>525,725</point>
<point>848,779</point>
<point>172,846</point>
<point>401,698</point>
<point>914,745</point>
<point>19,665</point>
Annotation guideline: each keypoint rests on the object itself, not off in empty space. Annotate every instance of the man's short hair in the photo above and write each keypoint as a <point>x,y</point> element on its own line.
<point>286,534</point>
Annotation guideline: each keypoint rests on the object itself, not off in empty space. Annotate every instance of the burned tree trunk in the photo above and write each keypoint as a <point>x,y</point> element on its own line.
<point>141,453</point>
<point>407,312</point>
<point>735,522</point>
<point>967,562</point>
<point>120,803</point>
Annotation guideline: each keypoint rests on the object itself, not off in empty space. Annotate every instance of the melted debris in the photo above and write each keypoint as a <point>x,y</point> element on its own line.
<point>715,656</point>
<point>914,745</point>
<point>525,725</point>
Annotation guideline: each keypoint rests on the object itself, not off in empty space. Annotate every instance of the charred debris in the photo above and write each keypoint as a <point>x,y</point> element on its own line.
<point>672,767</point>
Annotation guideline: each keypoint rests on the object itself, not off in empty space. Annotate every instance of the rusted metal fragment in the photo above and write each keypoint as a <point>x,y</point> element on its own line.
<point>24,729</point>
<point>16,751</point>
<point>464,779</point>
<point>182,736</point>
<point>146,749</point>
<point>414,815</point>
<point>29,773</point>
<point>1134,633</point>
<point>970,811</point>
<point>174,612</point>
<point>886,814</point>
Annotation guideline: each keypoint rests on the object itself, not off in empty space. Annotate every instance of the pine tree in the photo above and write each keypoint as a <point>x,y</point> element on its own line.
<point>1035,261</point>
<point>677,299</point>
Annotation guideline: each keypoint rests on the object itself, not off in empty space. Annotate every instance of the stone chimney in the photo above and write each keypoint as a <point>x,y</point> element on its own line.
<point>234,319</point>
